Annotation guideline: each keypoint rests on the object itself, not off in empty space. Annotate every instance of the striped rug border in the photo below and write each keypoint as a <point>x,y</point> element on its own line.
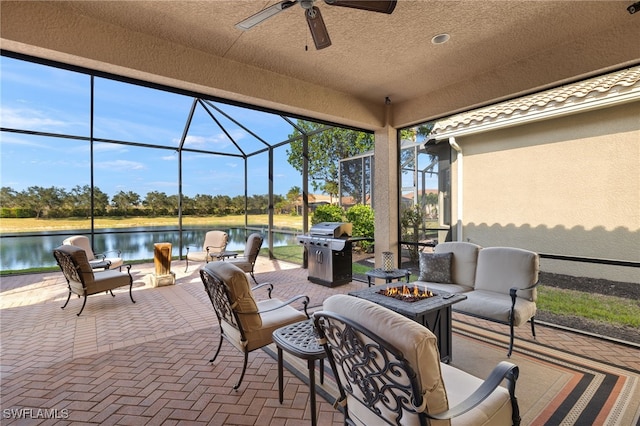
<point>598,393</point>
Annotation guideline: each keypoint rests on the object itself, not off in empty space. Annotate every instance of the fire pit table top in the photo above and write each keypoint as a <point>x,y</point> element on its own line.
<point>439,300</point>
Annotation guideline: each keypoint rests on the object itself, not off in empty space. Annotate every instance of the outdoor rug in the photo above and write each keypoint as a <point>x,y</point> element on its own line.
<point>554,388</point>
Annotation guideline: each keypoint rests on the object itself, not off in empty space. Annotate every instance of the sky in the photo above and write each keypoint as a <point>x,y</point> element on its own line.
<point>45,99</point>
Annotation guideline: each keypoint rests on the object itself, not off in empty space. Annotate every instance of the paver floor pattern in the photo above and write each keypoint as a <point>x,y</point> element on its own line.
<point>147,363</point>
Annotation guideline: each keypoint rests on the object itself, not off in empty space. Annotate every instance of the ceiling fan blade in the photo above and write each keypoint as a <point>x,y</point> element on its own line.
<point>317,28</point>
<point>264,14</point>
<point>381,6</point>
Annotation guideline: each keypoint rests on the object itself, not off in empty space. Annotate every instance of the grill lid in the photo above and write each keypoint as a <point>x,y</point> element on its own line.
<point>331,229</point>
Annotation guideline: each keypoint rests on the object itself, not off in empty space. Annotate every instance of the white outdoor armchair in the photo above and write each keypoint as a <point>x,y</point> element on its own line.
<point>96,260</point>
<point>215,243</point>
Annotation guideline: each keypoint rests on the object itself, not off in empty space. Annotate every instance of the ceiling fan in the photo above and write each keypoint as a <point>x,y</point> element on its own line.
<point>314,18</point>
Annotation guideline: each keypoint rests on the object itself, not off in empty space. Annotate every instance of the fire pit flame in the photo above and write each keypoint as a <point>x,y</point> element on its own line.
<point>406,294</point>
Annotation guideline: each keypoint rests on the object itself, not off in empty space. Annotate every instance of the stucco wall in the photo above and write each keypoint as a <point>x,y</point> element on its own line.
<point>567,186</point>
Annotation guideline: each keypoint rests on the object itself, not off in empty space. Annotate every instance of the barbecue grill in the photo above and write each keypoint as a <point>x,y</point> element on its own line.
<point>328,248</point>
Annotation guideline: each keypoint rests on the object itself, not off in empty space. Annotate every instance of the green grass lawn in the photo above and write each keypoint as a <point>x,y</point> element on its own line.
<point>14,225</point>
<point>597,307</point>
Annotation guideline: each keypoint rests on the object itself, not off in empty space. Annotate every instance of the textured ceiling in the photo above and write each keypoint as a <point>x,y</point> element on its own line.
<point>508,47</point>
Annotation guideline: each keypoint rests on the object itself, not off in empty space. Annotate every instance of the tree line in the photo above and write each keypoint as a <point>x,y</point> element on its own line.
<point>56,202</point>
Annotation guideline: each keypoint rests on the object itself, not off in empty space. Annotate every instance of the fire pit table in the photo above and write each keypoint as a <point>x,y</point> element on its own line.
<point>432,311</point>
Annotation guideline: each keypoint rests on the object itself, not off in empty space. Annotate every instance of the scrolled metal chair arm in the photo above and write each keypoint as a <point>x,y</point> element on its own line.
<point>266,284</point>
<point>504,370</point>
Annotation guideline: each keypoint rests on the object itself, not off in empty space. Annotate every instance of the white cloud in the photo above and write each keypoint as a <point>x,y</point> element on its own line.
<point>27,118</point>
<point>120,165</point>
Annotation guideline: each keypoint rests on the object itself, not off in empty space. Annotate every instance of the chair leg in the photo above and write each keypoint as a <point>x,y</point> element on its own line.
<point>254,278</point>
<point>131,292</point>
<point>67,302</point>
<point>510,335</point>
<point>112,295</point>
<point>217,350</point>
<point>187,265</point>
<point>244,369</point>
<point>533,327</point>
<point>84,302</point>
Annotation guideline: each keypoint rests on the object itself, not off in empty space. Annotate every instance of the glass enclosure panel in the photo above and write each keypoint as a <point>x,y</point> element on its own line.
<point>126,112</point>
<point>139,182</point>
<point>45,191</point>
<point>356,181</point>
<point>258,191</point>
<point>288,206</point>
<point>205,134</point>
<point>425,188</point>
<point>40,98</point>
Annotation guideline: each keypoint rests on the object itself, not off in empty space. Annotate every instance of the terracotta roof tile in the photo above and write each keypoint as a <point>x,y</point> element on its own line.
<point>598,87</point>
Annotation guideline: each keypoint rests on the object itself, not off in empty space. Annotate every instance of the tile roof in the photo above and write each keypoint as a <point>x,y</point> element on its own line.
<point>583,95</point>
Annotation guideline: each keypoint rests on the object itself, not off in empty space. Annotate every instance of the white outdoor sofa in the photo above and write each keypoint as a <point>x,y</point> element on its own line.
<point>499,282</point>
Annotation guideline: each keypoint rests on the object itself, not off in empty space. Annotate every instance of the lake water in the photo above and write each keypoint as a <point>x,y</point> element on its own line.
<point>35,251</point>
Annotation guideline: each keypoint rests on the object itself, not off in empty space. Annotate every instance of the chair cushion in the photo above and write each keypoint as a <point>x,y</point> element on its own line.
<point>416,342</point>
<point>435,267</point>
<point>197,256</point>
<point>84,271</point>
<point>216,241</point>
<point>465,259</point>
<point>495,410</point>
<point>496,306</point>
<point>271,321</point>
<point>241,262</point>
<point>500,268</point>
<point>108,280</point>
<point>240,292</point>
<point>82,242</point>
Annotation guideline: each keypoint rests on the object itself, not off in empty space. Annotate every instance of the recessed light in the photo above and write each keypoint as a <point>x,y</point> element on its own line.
<point>440,38</point>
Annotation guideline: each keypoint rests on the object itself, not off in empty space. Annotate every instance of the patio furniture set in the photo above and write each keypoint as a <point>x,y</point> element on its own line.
<point>389,356</point>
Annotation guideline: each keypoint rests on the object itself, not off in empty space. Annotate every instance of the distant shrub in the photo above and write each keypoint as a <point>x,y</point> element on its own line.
<point>362,218</point>
<point>327,213</point>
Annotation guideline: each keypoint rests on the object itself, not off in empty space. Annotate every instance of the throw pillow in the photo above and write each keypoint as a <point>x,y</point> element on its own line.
<point>435,267</point>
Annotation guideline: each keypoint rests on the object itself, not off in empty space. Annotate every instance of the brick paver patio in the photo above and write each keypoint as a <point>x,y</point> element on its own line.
<point>147,363</point>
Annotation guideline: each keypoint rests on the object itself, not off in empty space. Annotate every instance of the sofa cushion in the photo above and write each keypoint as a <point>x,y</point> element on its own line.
<point>500,268</point>
<point>435,267</point>
<point>496,306</point>
<point>463,264</point>
<point>241,295</point>
<point>417,343</point>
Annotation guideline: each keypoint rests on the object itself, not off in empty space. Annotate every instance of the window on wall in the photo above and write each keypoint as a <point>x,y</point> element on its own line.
<point>425,180</point>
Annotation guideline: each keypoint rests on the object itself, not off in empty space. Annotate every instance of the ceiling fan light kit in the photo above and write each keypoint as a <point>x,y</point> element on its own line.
<point>318,29</point>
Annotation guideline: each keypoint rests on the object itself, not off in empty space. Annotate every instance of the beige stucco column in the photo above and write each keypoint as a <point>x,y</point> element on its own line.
<point>385,180</point>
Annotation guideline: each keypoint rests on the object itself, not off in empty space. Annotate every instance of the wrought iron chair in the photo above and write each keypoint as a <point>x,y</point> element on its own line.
<point>96,260</point>
<point>247,261</point>
<point>215,243</point>
<point>81,278</point>
<point>246,324</point>
<point>388,371</point>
